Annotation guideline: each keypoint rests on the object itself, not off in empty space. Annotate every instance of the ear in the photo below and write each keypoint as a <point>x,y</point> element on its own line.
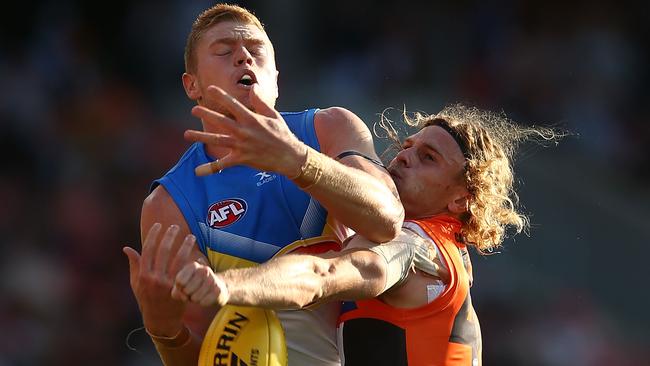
<point>460,204</point>
<point>191,85</point>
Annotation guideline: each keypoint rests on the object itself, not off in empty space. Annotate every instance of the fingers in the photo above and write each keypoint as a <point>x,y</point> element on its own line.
<point>183,256</point>
<point>230,103</point>
<point>195,279</point>
<point>212,139</point>
<point>184,275</point>
<point>209,299</point>
<point>204,294</point>
<point>161,261</point>
<point>134,263</point>
<point>215,119</point>
<point>178,294</point>
<point>215,166</point>
<point>260,103</point>
<point>196,283</point>
<point>209,138</point>
<point>149,246</point>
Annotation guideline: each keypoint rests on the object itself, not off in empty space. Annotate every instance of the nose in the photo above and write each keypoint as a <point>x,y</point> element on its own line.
<point>404,157</point>
<point>243,57</point>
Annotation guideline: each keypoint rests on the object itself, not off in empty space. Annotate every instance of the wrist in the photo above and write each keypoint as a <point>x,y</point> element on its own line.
<point>223,295</point>
<point>311,171</point>
<point>168,330</point>
<point>180,338</point>
<point>297,162</point>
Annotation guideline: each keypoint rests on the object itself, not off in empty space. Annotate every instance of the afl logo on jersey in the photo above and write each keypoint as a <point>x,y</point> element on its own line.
<point>226,212</point>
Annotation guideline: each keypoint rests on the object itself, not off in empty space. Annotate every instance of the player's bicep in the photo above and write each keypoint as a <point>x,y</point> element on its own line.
<point>339,130</point>
<point>345,137</point>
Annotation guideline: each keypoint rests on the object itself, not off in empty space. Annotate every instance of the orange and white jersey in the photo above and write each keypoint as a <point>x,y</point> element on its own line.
<point>444,332</point>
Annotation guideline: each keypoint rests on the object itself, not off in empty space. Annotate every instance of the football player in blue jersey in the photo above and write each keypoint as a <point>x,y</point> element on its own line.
<point>327,155</point>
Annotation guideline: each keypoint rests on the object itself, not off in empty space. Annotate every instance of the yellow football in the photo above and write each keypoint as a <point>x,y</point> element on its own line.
<point>244,336</point>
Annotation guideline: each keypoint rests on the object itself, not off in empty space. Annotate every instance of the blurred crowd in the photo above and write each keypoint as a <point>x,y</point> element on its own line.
<point>92,110</point>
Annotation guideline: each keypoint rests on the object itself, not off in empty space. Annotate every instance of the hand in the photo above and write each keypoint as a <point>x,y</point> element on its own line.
<point>152,275</point>
<point>197,283</point>
<point>260,139</point>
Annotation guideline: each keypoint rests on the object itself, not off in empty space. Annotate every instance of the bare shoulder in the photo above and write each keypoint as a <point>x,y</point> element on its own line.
<point>160,207</point>
<point>337,116</point>
<point>338,129</point>
<point>157,199</point>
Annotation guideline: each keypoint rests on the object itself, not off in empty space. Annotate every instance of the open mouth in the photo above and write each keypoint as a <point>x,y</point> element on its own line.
<point>247,80</point>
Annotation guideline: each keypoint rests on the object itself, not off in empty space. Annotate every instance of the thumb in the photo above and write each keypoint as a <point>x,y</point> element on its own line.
<point>134,263</point>
<point>261,102</point>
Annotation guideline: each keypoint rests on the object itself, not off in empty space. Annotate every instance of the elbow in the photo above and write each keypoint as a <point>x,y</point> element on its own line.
<point>388,233</point>
<point>393,218</point>
<point>389,225</point>
<point>393,226</point>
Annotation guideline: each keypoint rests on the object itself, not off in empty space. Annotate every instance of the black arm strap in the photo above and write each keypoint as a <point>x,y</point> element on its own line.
<point>352,152</point>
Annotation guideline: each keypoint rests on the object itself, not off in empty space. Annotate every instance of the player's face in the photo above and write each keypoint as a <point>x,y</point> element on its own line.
<point>234,56</point>
<point>428,173</point>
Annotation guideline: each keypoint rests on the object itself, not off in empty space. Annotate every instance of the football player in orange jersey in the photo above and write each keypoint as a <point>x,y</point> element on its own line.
<point>455,180</point>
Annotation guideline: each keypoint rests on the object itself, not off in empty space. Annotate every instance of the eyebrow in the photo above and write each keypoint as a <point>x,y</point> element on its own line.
<point>426,145</point>
<point>233,40</point>
<point>430,147</point>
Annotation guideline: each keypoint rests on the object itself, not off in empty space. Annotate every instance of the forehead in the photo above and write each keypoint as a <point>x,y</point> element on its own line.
<point>441,140</point>
<point>233,30</point>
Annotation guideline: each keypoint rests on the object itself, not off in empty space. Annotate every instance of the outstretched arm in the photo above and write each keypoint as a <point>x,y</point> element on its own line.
<point>288,282</point>
<point>364,270</point>
<point>360,195</point>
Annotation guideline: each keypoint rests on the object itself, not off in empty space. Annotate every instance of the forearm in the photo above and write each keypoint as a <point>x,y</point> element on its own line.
<point>287,282</point>
<point>295,281</point>
<point>357,199</point>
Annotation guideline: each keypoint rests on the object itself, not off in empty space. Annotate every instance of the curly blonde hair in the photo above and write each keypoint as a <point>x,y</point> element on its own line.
<point>488,142</point>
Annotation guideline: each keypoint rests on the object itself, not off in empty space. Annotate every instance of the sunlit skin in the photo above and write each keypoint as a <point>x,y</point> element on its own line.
<point>428,173</point>
<point>233,80</point>
<point>224,54</point>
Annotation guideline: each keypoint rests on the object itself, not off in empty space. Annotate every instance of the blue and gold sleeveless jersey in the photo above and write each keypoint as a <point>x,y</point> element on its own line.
<point>242,216</point>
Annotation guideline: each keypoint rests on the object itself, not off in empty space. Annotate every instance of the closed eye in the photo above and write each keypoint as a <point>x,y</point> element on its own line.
<point>256,50</point>
<point>223,52</point>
